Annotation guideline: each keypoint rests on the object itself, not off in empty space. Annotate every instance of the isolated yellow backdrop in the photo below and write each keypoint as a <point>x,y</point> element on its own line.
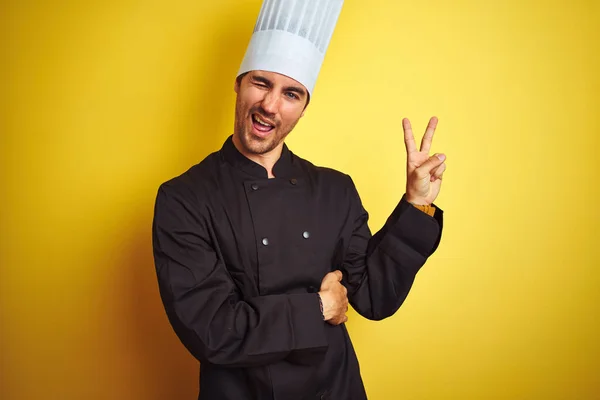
<point>101,101</point>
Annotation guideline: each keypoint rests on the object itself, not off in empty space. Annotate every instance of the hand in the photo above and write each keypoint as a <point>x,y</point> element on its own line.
<point>334,297</point>
<point>423,173</point>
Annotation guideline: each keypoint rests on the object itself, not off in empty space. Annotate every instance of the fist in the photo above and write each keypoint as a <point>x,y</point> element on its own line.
<point>334,297</point>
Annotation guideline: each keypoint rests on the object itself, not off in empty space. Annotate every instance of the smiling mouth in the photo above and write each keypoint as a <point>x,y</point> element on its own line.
<point>261,125</point>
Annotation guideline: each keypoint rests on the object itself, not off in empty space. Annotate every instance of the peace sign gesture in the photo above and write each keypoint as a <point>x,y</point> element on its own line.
<point>423,173</point>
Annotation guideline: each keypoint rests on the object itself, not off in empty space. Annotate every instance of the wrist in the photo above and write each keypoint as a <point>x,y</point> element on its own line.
<point>415,201</point>
<point>321,305</point>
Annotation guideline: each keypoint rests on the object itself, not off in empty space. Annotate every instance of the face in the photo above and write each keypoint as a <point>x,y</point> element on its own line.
<point>267,108</point>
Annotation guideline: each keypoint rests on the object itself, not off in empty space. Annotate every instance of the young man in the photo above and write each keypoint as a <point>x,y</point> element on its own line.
<point>258,252</point>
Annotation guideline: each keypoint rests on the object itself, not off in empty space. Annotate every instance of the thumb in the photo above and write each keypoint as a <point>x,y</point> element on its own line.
<point>331,277</point>
<point>338,275</point>
<point>433,162</point>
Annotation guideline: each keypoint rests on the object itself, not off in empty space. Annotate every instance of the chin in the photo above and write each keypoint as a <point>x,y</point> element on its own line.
<point>256,145</point>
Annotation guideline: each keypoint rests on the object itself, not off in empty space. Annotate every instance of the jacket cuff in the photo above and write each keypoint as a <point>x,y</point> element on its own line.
<point>412,226</point>
<point>307,320</point>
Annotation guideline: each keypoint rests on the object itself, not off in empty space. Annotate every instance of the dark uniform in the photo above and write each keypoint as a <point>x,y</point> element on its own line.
<point>240,258</point>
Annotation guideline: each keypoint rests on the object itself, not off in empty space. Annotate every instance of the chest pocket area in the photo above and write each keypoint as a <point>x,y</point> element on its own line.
<point>294,239</point>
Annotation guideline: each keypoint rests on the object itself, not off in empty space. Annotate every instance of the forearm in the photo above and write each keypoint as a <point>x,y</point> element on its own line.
<point>218,327</point>
<point>380,279</point>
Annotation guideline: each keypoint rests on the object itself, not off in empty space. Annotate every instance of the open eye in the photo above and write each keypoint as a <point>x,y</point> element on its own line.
<point>292,95</point>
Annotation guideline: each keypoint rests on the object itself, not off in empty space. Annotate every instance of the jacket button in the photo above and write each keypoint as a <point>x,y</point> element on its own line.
<point>306,234</point>
<point>265,241</point>
<point>254,186</point>
<point>293,181</point>
<point>312,289</point>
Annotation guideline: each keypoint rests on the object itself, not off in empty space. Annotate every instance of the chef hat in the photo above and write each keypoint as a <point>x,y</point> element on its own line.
<point>291,37</point>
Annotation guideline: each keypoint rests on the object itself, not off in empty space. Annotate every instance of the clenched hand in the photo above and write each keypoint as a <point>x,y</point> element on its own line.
<point>335,298</point>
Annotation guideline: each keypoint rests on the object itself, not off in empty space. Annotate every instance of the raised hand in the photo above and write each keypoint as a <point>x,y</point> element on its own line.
<point>423,173</point>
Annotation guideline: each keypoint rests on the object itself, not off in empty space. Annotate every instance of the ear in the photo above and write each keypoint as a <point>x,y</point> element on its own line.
<point>236,86</point>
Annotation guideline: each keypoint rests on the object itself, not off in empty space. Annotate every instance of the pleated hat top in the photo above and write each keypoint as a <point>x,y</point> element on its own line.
<point>291,38</point>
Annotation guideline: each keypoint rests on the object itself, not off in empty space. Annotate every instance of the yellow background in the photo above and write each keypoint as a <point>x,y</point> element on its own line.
<point>101,101</point>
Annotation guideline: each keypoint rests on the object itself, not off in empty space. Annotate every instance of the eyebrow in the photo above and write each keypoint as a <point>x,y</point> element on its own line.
<point>295,89</point>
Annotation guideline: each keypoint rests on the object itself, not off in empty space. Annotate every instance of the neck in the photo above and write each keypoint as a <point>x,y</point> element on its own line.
<point>266,160</point>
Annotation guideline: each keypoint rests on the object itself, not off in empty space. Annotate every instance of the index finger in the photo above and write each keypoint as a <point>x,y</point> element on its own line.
<point>428,137</point>
<point>409,139</point>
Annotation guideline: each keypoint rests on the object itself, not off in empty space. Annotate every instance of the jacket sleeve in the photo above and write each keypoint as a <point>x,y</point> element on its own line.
<point>206,309</point>
<point>379,270</point>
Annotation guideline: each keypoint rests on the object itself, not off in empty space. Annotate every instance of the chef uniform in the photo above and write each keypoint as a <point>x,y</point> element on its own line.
<point>240,257</point>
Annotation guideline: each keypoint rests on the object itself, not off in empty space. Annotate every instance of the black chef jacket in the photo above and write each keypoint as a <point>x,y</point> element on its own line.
<point>240,257</point>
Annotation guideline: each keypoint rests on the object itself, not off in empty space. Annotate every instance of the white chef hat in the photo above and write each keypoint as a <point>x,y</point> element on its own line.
<point>291,37</point>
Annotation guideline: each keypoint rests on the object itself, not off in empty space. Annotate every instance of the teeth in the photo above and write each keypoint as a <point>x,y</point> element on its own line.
<point>260,121</point>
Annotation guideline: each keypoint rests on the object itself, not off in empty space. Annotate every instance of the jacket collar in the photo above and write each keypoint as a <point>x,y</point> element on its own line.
<point>283,168</point>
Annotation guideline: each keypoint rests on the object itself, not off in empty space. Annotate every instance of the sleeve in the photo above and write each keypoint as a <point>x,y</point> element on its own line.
<point>379,270</point>
<point>206,309</point>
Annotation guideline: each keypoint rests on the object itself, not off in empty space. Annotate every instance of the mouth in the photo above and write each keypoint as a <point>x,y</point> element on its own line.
<point>261,126</point>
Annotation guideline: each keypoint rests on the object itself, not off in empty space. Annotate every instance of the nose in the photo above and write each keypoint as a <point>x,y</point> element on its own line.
<point>270,102</point>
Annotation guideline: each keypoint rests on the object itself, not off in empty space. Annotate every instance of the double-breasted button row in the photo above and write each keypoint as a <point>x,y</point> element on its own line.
<point>265,240</point>
<point>255,186</point>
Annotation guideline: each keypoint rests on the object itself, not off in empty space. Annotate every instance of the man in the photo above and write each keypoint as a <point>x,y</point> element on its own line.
<point>258,252</point>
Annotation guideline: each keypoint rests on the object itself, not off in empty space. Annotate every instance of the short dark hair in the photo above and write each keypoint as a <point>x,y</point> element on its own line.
<point>238,80</point>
